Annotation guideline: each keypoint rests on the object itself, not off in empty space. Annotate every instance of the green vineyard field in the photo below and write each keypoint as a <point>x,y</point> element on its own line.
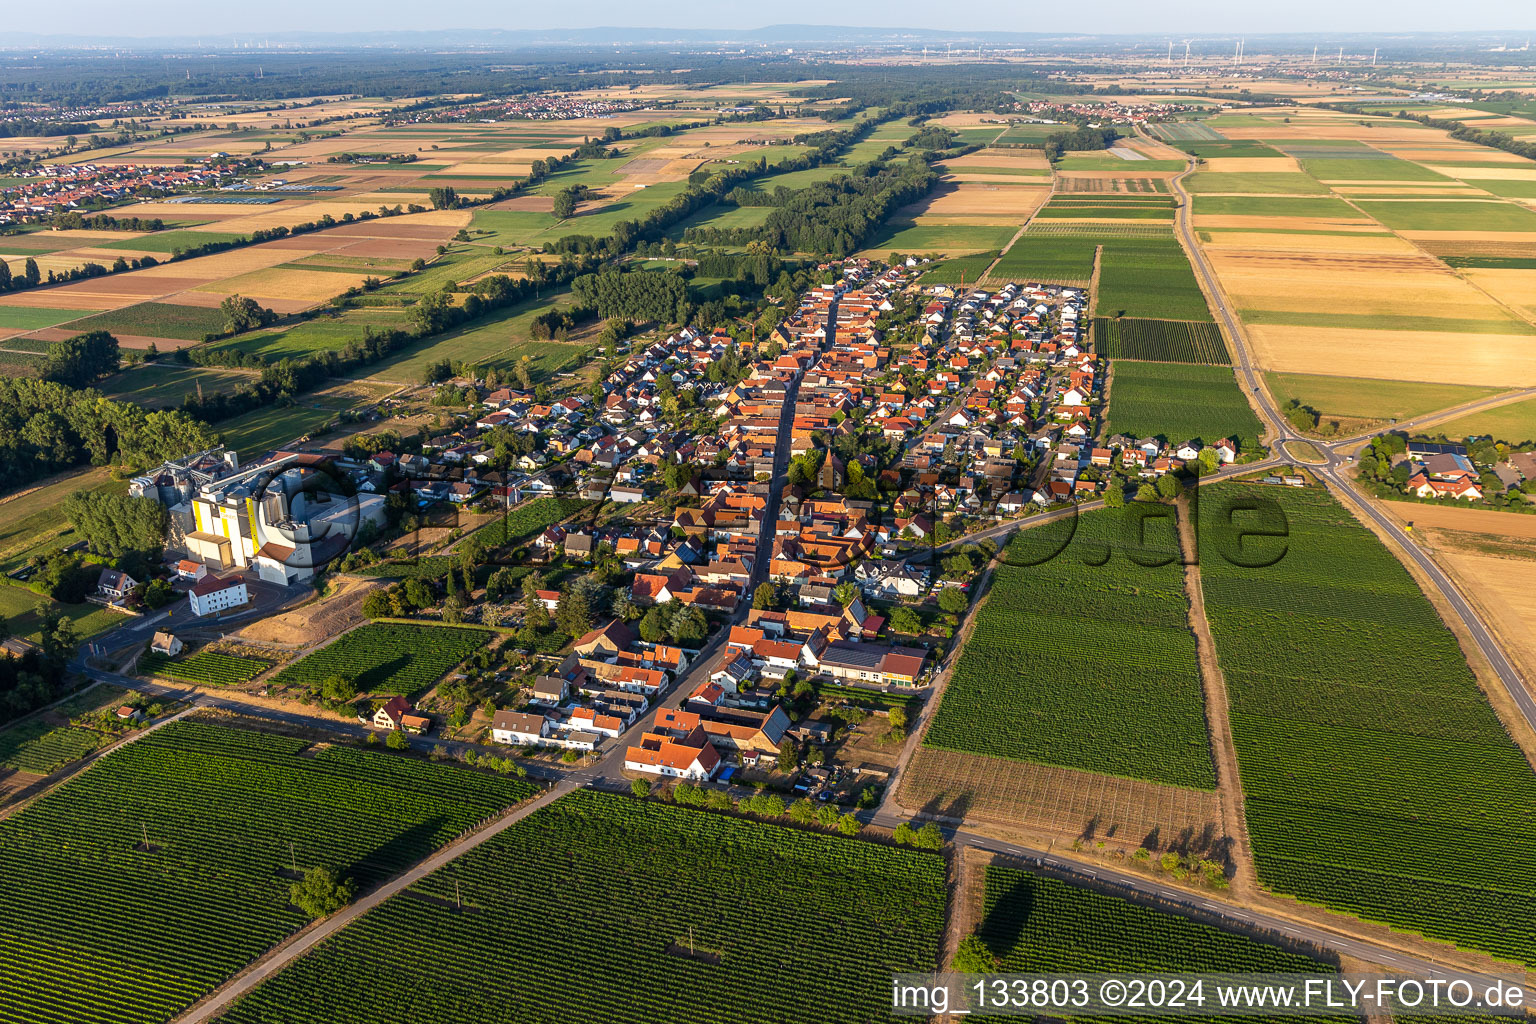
<point>1378,780</point>
<point>388,657</point>
<point>1048,257</point>
<point>1180,401</point>
<point>1034,924</point>
<point>1084,666</point>
<point>1167,341</point>
<point>209,668</point>
<point>1152,278</point>
<point>87,910</point>
<point>42,749</point>
<point>610,909</point>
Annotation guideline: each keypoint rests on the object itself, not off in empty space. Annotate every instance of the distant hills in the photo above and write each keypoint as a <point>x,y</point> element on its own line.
<point>770,37</point>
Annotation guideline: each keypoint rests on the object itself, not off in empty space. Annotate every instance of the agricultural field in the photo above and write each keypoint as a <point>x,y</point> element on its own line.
<point>906,236</point>
<point>28,520</point>
<point>263,429</point>
<point>531,517</point>
<point>1355,398</point>
<point>41,748</point>
<point>164,385</point>
<point>155,320</point>
<point>1515,423</point>
<point>1180,401</point>
<point>1087,666</point>
<point>1148,278</point>
<point>220,807</point>
<point>388,657</point>
<point>1034,924</point>
<point>1048,258</point>
<point>653,892</point>
<point>1253,183</point>
<point>18,607</point>
<point>1168,341</point>
<point>205,668</point>
<point>32,318</point>
<point>967,268</point>
<point>1384,785</point>
<point>171,241</point>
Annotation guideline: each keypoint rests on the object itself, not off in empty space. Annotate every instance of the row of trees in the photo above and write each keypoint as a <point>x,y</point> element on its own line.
<point>46,426</point>
<point>82,360</point>
<point>834,216</point>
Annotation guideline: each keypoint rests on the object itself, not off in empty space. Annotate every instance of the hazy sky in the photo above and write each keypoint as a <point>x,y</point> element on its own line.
<point>1173,17</point>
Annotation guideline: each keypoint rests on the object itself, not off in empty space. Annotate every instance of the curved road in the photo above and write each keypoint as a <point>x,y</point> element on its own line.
<point>1329,473</point>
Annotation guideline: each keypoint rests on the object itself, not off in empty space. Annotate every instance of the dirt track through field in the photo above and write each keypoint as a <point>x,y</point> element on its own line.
<point>1229,788</point>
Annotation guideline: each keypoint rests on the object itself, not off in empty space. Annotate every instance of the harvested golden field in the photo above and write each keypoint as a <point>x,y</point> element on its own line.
<point>1469,520</point>
<point>1064,800</point>
<point>1492,556</point>
<point>1349,282</point>
<point>1247,220</point>
<point>1523,172</point>
<point>1512,287</point>
<point>983,158</point>
<point>1470,151</point>
<point>281,283</point>
<point>1247,164</point>
<point>1450,189</point>
<point>1525,238</point>
<point>1304,243</point>
<point>974,200</point>
<point>1386,131</point>
<point>1493,360</point>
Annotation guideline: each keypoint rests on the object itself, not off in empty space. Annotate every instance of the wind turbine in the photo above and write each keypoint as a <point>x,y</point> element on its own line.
<point>1186,53</point>
<point>1170,53</point>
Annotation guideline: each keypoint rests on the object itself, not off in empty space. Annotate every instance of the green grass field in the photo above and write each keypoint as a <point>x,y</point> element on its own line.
<point>1180,401</point>
<point>1276,206</point>
<point>170,241</point>
<point>1388,322</point>
<point>163,385</point>
<point>499,339</point>
<point>263,429</point>
<point>1113,685</point>
<point>831,919</point>
<point>1450,215</point>
<point>1507,189</point>
<point>1381,784</point>
<point>461,264</point>
<point>33,318</point>
<point>319,334</point>
<point>18,607</point>
<point>1356,397</point>
<point>1515,423</point>
<point>949,239</point>
<point>1368,169</point>
<point>156,320</point>
<point>1106,161</point>
<point>1254,181</point>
